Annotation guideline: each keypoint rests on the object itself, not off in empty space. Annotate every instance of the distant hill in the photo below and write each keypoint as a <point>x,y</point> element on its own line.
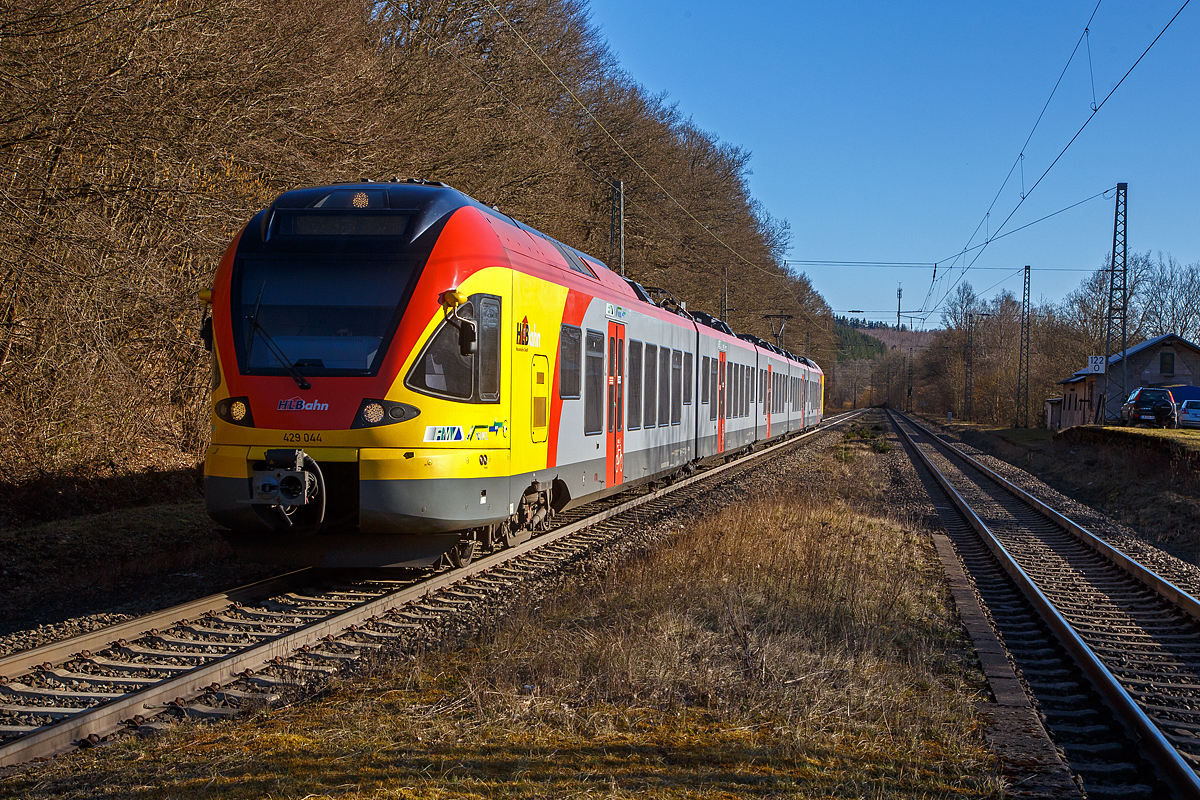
<point>853,344</point>
<point>904,339</point>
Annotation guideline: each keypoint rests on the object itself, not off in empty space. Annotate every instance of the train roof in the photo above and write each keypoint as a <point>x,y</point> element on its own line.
<point>430,201</point>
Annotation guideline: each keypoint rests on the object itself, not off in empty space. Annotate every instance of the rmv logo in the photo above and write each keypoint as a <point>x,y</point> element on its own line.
<point>297,404</point>
<point>527,335</point>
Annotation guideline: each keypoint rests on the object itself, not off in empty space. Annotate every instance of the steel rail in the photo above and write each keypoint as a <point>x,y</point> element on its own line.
<point>1169,591</point>
<point>106,718</point>
<point>23,662</point>
<point>1158,750</point>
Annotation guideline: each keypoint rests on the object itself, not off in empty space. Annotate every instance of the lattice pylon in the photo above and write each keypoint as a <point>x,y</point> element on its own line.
<point>1117,317</point>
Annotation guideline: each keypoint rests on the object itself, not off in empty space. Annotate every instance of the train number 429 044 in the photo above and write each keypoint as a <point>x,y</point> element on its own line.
<point>302,437</point>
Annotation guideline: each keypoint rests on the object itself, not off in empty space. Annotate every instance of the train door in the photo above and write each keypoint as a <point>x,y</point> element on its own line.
<point>540,398</point>
<point>721,397</point>
<point>767,399</point>
<point>616,403</point>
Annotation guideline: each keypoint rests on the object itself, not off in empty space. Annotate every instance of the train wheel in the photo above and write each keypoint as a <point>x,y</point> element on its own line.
<point>462,553</point>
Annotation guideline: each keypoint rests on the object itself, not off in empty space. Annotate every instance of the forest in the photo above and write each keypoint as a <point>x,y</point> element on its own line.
<point>136,138</point>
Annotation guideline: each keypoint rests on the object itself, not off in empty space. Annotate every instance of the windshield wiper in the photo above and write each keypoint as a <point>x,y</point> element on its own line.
<point>257,328</point>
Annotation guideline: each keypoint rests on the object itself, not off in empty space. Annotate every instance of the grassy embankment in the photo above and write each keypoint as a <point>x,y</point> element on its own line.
<point>791,645</point>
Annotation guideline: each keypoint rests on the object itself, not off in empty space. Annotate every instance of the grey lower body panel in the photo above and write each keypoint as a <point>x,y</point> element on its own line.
<point>436,506</point>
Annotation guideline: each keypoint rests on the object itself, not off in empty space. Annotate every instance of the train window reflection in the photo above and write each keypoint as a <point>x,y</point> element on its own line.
<point>593,374</point>
<point>442,369</point>
<point>324,317</point>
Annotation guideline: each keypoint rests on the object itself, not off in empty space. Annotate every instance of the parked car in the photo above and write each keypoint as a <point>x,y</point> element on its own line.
<point>1189,414</point>
<point>1151,407</point>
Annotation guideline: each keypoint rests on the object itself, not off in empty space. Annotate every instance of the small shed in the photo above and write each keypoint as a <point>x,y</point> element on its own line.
<point>1052,413</point>
<point>1090,397</point>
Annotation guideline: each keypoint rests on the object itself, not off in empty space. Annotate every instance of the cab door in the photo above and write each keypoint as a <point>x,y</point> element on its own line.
<point>616,403</point>
<point>540,394</point>
<point>721,396</point>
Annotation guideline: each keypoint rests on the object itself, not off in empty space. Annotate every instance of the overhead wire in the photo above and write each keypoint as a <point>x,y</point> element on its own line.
<point>1020,159</point>
<point>1091,116</point>
<point>784,276</point>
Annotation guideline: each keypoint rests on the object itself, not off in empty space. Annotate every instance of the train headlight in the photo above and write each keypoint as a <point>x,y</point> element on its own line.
<point>372,413</point>
<point>375,412</point>
<point>235,411</point>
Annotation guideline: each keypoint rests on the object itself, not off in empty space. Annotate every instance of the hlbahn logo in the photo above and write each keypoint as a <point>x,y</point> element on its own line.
<point>527,335</point>
<point>297,404</point>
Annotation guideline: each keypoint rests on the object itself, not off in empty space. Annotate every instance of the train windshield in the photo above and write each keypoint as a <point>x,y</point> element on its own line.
<point>324,316</point>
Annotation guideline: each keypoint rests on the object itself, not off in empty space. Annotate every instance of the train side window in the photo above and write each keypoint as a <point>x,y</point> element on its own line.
<point>676,387</point>
<point>650,406</point>
<point>735,390</point>
<point>751,376</point>
<point>741,390</point>
<point>713,388</point>
<point>593,374</point>
<point>744,390</point>
<point>442,370</point>
<point>489,349</point>
<point>729,390</point>
<point>704,379</point>
<point>687,379</point>
<point>569,340</point>
<point>664,386</point>
<point>633,380</point>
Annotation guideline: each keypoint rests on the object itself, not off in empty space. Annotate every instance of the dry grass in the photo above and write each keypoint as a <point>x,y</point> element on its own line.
<point>1187,439</point>
<point>788,646</point>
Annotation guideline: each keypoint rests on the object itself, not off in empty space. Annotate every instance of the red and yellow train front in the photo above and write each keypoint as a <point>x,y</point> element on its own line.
<point>369,369</point>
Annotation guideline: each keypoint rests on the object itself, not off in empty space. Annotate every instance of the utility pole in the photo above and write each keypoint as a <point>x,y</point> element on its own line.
<point>899,294</point>
<point>616,230</point>
<point>910,360</point>
<point>1022,413</point>
<point>1118,304</point>
<point>725,295</point>
<point>968,378</point>
<point>969,388</point>
<point>807,339</point>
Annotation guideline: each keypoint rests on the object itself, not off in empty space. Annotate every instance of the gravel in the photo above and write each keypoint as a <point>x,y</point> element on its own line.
<point>1182,573</point>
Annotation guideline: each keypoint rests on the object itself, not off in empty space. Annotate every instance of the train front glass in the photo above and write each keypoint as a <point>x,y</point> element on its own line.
<point>324,296</point>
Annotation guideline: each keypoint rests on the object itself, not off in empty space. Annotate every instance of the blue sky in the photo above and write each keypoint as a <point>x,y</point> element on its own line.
<point>882,131</point>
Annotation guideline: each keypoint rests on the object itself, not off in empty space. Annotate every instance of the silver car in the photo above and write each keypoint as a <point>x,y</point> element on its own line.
<point>1189,414</point>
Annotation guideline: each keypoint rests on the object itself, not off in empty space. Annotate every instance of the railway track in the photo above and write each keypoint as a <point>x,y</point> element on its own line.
<point>215,656</point>
<point>1109,649</point>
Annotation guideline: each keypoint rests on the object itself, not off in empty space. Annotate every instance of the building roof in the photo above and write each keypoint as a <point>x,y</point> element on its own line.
<point>1115,358</point>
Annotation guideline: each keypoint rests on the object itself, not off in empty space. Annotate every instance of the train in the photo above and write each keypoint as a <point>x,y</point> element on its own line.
<point>405,376</point>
